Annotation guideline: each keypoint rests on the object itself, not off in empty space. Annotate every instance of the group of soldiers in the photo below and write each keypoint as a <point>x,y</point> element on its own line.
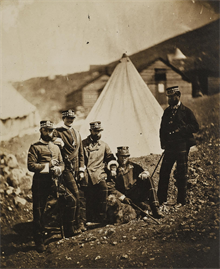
<point>91,166</point>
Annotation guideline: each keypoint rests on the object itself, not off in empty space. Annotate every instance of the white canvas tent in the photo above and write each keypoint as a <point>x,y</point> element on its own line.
<point>129,112</point>
<point>17,115</point>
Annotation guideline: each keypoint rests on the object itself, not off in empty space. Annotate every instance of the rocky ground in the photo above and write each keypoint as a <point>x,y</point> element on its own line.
<point>188,236</point>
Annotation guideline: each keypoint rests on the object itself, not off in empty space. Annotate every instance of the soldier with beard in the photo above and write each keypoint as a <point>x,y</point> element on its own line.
<point>45,160</point>
<point>176,136</point>
<point>98,156</point>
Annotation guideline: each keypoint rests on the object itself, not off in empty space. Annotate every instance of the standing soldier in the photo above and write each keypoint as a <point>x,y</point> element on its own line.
<point>98,157</point>
<point>176,135</point>
<point>70,142</point>
<point>45,160</point>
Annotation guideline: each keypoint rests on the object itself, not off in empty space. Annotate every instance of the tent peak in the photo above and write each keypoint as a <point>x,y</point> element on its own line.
<point>124,55</point>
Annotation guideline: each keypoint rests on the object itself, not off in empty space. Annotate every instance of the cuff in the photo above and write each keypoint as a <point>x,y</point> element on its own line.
<point>112,162</point>
<point>82,169</point>
<point>60,171</point>
<point>144,174</point>
<point>121,198</point>
<point>46,169</point>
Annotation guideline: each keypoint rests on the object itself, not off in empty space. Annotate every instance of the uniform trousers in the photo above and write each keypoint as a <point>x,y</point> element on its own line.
<point>96,201</point>
<point>43,187</point>
<point>170,157</point>
<point>70,183</point>
<point>142,191</point>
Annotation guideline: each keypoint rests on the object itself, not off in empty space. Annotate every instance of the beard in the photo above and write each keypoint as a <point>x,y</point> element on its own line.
<point>96,137</point>
<point>46,138</point>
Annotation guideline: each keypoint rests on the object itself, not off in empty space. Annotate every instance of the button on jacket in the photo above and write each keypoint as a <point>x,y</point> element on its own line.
<point>178,126</point>
<point>39,156</point>
<point>97,155</point>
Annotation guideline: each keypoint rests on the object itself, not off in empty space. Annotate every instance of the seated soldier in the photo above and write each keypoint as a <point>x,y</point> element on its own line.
<point>132,183</point>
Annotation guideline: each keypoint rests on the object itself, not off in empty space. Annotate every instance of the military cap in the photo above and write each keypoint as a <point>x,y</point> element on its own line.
<point>123,151</point>
<point>68,113</point>
<point>47,124</point>
<point>96,125</point>
<point>172,90</point>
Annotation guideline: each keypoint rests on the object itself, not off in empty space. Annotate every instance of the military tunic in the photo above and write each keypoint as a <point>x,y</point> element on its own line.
<point>39,156</point>
<point>97,156</point>
<point>73,150</point>
<point>129,183</point>
<point>176,135</point>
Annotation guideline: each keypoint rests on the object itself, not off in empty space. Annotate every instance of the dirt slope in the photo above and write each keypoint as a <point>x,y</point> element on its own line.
<point>188,237</point>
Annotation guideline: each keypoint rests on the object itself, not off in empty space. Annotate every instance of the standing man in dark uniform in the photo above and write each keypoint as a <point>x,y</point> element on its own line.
<point>98,157</point>
<point>45,160</point>
<point>70,143</point>
<point>176,136</point>
<point>133,183</point>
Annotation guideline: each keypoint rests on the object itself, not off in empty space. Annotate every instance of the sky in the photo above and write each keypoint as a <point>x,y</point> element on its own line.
<point>46,38</point>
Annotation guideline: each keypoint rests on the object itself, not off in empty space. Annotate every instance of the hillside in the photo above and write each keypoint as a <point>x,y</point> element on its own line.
<point>49,94</point>
<point>188,237</point>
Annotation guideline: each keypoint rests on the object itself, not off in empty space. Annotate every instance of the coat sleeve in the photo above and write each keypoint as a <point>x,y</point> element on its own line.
<point>81,155</point>
<point>162,133</point>
<point>109,158</point>
<point>60,160</point>
<point>190,125</point>
<point>32,161</point>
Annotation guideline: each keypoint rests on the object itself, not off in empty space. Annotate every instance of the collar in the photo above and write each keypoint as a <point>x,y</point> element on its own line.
<point>67,127</point>
<point>176,106</point>
<point>94,142</point>
<point>44,142</point>
<point>125,169</point>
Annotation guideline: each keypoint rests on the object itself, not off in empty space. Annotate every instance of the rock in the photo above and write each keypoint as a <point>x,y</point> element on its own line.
<point>6,171</point>
<point>17,191</point>
<point>9,208</point>
<point>110,232</point>
<point>19,201</point>
<point>15,177</point>
<point>26,182</point>
<point>2,181</point>
<point>209,162</point>
<point>124,256</point>
<point>97,258</point>
<point>11,161</point>
<point>9,190</point>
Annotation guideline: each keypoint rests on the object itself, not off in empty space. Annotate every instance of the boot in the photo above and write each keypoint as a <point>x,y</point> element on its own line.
<point>82,227</point>
<point>40,248</point>
<point>156,213</point>
<point>39,242</point>
<point>69,231</point>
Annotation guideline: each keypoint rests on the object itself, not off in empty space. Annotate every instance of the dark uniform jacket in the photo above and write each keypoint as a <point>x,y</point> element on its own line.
<point>127,178</point>
<point>178,126</point>
<point>72,147</point>
<point>97,156</point>
<point>39,156</point>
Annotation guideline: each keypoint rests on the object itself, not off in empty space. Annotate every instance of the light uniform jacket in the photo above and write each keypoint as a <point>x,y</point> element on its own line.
<point>39,156</point>
<point>72,146</point>
<point>97,157</point>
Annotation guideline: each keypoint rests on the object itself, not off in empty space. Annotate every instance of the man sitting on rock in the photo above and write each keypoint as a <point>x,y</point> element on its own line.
<point>133,183</point>
<point>45,160</point>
